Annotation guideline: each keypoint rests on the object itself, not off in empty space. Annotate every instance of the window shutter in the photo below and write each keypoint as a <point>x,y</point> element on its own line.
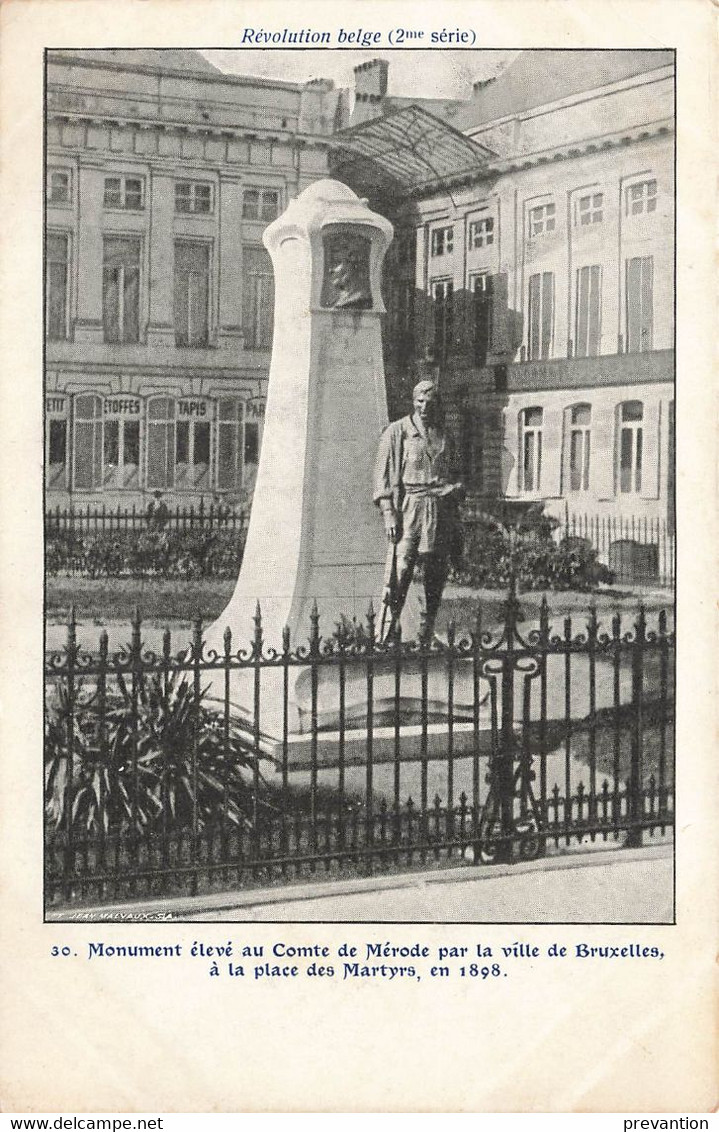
<point>550,484</point>
<point>463,330</point>
<point>602,452</point>
<point>533,316</point>
<point>647,303</point>
<point>650,450</point>
<point>500,343</point>
<point>547,313</point>
<point>510,453</point>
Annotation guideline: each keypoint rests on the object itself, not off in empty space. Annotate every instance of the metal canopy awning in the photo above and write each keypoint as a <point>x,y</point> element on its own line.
<point>410,146</point>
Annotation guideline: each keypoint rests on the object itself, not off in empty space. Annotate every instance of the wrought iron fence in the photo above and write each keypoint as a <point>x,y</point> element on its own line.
<point>351,755</point>
<point>639,550</point>
<point>178,518</point>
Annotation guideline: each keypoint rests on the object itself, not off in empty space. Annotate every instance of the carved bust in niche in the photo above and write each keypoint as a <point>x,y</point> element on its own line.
<point>346,284</point>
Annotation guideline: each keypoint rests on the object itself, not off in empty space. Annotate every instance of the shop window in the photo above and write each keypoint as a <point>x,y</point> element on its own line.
<point>442,241</point>
<point>589,209</point>
<point>481,232</point>
<point>124,192</point>
<point>192,452</point>
<point>193,196</point>
<point>631,447</point>
<point>161,423</point>
<point>640,197</point>
<point>87,442</point>
<point>260,204</point>
<point>580,421</point>
<point>192,285</point>
<point>258,298</point>
<point>121,289</point>
<point>588,312</point>
<point>229,438</point>
<point>121,442</point>
<point>542,219</point>
<point>56,454</point>
<point>59,186</point>
<point>640,303</point>
<point>56,278</point>
<point>541,315</point>
<point>442,291</point>
<point>531,449</point>
<point>482,291</point>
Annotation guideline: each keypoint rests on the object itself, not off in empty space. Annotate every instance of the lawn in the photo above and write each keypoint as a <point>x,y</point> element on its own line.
<point>99,600</point>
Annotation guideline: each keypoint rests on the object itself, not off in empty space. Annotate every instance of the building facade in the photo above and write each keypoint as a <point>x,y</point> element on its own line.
<point>162,174</point>
<point>535,277</point>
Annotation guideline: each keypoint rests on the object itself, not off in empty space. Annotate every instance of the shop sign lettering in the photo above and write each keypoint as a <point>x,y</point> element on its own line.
<point>121,406</point>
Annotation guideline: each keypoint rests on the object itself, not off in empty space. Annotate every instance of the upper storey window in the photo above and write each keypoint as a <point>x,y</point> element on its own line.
<point>260,204</point>
<point>640,197</point>
<point>193,196</point>
<point>59,186</point>
<point>589,210</point>
<point>481,232</point>
<point>542,219</point>
<point>124,192</point>
<point>442,241</point>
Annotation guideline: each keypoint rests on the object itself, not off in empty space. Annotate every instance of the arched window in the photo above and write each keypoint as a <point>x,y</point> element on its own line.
<point>161,442</point>
<point>540,318</point>
<point>640,304</point>
<point>531,448</point>
<point>192,443</point>
<point>631,443</point>
<point>87,442</point>
<point>121,441</point>
<point>579,421</point>
<point>56,445</point>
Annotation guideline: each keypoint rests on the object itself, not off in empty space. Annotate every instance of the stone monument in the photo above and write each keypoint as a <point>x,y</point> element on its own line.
<point>315,533</point>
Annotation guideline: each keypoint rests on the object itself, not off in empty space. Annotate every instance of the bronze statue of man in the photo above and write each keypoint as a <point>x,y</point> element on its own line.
<point>416,491</point>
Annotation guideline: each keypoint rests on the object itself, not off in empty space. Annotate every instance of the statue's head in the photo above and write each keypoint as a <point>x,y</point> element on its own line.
<point>425,397</point>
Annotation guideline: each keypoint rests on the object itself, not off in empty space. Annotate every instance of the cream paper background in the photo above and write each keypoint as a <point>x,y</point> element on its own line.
<point>148,1035</point>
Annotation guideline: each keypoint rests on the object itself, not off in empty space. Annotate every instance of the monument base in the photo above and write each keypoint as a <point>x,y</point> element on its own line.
<point>325,698</point>
<point>388,746</point>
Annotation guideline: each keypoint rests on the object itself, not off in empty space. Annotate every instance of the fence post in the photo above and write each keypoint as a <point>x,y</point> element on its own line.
<point>257,643</point>
<point>503,776</point>
<point>369,772</point>
<point>68,798</point>
<point>196,727</point>
<point>635,785</point>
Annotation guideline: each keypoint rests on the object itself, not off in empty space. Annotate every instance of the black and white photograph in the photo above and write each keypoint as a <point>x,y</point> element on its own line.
<point>358,450</point>
<point>359,495</point>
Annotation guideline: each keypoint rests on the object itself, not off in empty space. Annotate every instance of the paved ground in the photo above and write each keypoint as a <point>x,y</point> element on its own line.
<point>616,886</point>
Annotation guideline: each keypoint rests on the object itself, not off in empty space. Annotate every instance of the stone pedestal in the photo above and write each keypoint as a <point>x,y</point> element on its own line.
<point>314,532</point>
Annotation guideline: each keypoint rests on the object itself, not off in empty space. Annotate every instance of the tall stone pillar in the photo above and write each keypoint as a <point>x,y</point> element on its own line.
<point>230,208</point>
<point>314,533</point>
<point>161,326</point>
<point>88,321</point>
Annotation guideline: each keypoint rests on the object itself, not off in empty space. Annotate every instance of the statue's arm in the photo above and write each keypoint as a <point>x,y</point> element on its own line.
<point>386,480</point>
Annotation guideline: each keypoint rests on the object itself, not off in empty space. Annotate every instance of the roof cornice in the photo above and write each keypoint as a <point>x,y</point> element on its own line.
<point>567,152</point>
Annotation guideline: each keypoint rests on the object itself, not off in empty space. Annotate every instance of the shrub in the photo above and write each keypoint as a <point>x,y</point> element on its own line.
<point>114,792</point>
<point>492,556</point>
<point>164,553</point>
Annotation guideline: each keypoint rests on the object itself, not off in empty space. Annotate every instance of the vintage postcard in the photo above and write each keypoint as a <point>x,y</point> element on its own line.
<point>357,446</point>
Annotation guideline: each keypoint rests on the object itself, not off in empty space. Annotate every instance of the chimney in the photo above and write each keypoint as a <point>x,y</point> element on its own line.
<point>481,84</point>
<point>370,89</point>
